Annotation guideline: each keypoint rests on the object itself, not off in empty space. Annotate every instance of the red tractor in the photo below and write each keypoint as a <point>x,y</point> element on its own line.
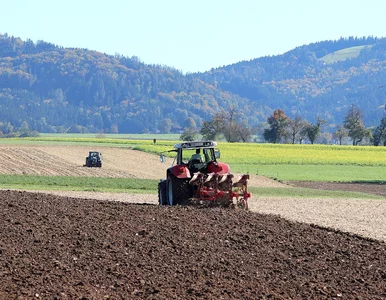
<point>197,177</point>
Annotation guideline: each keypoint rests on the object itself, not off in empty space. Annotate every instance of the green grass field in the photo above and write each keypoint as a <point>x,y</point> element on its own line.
<point>328,173</point>
<point>343,54</point>
<point>72,183</point>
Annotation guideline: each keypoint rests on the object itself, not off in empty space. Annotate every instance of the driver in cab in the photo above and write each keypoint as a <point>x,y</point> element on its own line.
<point>197,156</point>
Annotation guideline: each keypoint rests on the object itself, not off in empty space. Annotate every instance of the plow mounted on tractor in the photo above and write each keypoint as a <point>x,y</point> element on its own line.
<point>196,177</point>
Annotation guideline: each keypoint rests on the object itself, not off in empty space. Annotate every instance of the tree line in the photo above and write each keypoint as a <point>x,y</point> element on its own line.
<point>279,128</point>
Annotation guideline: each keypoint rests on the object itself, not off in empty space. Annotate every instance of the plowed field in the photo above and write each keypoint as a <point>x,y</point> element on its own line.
<point>69,160</point>
<point>61,247</point>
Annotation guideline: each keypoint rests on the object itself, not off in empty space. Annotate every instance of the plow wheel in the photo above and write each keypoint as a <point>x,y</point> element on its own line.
<point>242,203</point>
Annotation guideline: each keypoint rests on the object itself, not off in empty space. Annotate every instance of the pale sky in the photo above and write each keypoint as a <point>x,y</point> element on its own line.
<point>191,35</point>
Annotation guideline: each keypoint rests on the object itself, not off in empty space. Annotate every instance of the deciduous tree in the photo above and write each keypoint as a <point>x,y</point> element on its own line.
<point>225,123</point>
<point>277,127</point>
<point>313,131</point>
<point>295,127</point>
<point>216,126</point>
<point>340,133</point>
<point>353,122</point>
<point>166,125</point>
<point>189,134</point>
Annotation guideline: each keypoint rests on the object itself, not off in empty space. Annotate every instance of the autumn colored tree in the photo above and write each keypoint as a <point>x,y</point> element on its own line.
<point>277,127</point>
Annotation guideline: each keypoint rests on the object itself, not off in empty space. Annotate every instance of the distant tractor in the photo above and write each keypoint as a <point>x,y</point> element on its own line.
<point>197,177</point>
<point>94,159</point>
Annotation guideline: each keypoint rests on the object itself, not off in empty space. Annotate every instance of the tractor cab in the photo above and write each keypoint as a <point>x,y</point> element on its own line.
<point>199,156</point>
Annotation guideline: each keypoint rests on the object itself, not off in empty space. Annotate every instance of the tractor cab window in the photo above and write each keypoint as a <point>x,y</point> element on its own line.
<point>209,155</point>
<point>203,155</point>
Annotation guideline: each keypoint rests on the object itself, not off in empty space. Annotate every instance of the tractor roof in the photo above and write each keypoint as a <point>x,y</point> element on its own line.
<point>195,145</point>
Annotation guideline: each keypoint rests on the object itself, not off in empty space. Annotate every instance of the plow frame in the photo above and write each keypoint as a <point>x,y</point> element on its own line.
<point>220,190</point>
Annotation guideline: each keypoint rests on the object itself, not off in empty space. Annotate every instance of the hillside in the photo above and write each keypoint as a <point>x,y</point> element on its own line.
<point>49,88</point>
<point>322,79</point>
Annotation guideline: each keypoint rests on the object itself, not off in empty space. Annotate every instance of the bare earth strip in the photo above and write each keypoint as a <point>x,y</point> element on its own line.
<point>360,216</point>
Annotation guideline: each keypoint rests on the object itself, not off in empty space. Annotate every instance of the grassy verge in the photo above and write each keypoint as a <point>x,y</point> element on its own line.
<point>330,173</point>
<point>68,183</point>
<point>147,186</point>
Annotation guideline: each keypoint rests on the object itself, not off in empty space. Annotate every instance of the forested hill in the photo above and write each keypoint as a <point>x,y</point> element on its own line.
<point>321,79</point>
<point>49,88</point>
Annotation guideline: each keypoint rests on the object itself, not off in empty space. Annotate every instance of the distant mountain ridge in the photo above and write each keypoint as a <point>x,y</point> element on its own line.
<point>49,88</point>
<point>302,82</point>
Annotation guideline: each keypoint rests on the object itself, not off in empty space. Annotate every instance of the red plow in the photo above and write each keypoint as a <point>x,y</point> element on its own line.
<point>220,190</point>
<point>200,178</point>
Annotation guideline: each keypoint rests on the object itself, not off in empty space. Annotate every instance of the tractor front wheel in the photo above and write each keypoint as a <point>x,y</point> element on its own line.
<point>162,199</point>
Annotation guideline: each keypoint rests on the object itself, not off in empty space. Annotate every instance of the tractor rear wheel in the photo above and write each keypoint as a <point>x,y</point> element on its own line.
<point>178,190</point>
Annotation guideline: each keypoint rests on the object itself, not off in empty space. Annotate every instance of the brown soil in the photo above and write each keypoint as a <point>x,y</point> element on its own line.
<point>55,247</point>
<point>376,189</point>
<point>69,160</point>
<point>75,247</point>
